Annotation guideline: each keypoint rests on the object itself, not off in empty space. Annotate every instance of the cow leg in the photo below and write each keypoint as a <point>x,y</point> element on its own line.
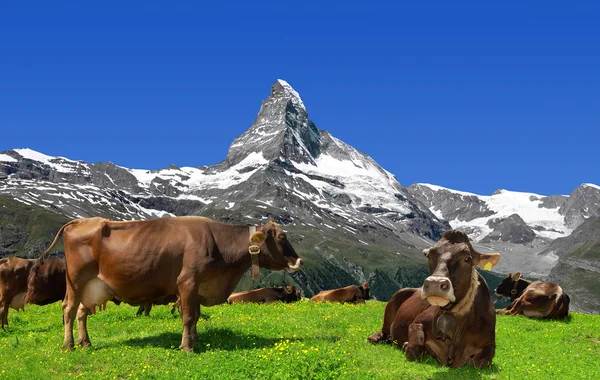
<point>484,357</point>
<point>147,309</point>
<point>82,314</point>
<point>518,307</point>
<point>140,310</point>
<point>195,339</point>
<point>390,314</point>
<point>70,305</point>
<point>415,347</point>
<point>4,313</point>
<point>190,310</point>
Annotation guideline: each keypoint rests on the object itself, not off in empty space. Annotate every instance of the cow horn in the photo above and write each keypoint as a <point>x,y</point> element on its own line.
<point>426,252</point>
<point>516,276</point>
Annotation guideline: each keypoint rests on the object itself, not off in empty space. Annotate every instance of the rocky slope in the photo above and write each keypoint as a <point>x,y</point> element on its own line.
<point>578,265</point>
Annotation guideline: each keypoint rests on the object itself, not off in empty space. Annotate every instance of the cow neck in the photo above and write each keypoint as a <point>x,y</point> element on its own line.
<point>464,306</point>
<point>254,251</point>
<point>515,293</point>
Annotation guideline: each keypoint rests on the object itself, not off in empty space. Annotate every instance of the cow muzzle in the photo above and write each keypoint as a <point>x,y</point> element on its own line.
<point>297,265</point>
<point>438,291</point>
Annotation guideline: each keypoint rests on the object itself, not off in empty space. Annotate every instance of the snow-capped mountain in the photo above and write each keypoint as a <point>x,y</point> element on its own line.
<point>520,224</point>
<point>282,155</point>
<point>510,216</point>
<point>282,166</point>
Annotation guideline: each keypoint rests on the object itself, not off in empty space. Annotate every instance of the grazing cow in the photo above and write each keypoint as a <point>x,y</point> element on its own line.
<point>140,261</point>
<point>266,295</point>
<point>146,307</point>
<point>533,299</point>
<point>350,294</point>
<point>452,315</point>
<point>13,284</point>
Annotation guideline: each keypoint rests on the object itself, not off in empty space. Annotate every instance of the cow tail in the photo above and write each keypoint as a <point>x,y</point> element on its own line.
<point>32,283</point>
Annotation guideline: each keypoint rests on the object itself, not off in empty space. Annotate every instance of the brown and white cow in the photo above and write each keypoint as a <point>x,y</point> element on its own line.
<point>286,294</point>
<point>533,299</point>
<point>139,261</point>
<point>349,294</point>
<point>451,316</point>
<point>14,272</point>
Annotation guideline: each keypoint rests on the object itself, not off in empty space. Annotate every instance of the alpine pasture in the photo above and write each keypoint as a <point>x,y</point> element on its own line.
<point>303,340</point>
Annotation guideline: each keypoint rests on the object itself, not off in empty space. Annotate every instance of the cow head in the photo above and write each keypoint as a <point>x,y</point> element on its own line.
<point>276,252</point>
<point>508,286</point>
<point>364,288</point>
<point>453,277</point>
<point>292,294</point>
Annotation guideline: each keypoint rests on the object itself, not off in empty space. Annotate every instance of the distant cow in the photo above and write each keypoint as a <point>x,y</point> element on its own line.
<point>452,316</point>
<point>140,261</point>
<point>267,295</point>
<point>146,307</point>
<point>13,284</point>
<point>533,299</point>
<point>349,294</point>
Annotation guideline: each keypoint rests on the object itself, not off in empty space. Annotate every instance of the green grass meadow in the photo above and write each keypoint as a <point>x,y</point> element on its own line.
<point>280,341</point>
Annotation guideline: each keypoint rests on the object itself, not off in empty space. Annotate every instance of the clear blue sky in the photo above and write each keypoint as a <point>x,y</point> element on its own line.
<point>473,96</point>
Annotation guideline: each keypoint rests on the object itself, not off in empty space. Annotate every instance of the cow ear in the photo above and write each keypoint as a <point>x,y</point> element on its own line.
<point>257,237</point>
<point>509,275</point>
<point>487,260</point>
<point>426,252</point>
<point>516,277</point>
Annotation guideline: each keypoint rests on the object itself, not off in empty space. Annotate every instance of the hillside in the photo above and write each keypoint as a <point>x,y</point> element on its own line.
<point>26,230</point>
<point>578,266</point>
<point>285,341</point>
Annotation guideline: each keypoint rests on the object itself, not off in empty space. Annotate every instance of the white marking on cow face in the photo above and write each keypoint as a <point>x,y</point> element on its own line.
<point>95,292</point>
<point>18,301</point>
<point>297,265</point>
<point>438,291</point>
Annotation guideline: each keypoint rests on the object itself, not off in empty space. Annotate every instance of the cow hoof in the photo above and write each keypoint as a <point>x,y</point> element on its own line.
<point>84,344</point>
<point>68,346</point>
<point>413,353</point>
<point>378,337</point>
<point>189,350</point>
<point>482,364</point>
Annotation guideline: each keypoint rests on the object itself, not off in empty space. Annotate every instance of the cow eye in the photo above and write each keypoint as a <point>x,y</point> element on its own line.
<point>468,259</point>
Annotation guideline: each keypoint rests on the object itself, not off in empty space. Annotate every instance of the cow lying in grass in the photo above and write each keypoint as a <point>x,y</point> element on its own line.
<point>349,294</point>
<point>451,316</point>
<point>13,284</point>
<point>287,294</point>
<point>533,299</point>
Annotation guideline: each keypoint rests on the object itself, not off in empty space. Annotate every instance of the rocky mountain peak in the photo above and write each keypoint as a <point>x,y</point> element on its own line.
<point>281,130</point>
<point>282,89</point>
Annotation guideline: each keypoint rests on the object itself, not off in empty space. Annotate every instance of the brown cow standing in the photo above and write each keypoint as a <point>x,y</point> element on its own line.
<point>452,316</point>
<point>13,284</point>
<point>350,294</point>
<point>533,299</point>
<point>285,294</point>
<point>139,261</point>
